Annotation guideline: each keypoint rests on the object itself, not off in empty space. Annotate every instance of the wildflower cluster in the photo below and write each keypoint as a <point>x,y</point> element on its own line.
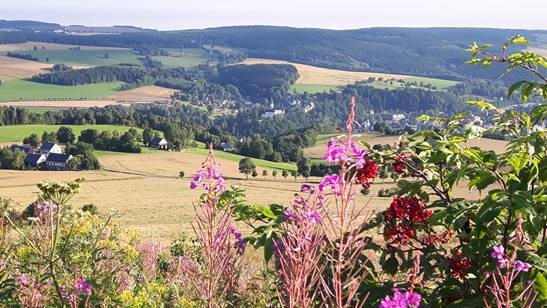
<point>401,300</point>
<point>459,265</point>
<point>401,217</point>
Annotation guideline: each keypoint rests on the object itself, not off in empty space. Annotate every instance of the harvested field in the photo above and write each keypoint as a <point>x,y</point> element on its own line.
<point>153,200</point>
<point>318,150</point>
<point>142,94</point>
<point>13,68</point>
<point>313,75</point>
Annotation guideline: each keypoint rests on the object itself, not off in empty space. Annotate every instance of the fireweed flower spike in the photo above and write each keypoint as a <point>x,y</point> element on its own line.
<point>401,300</point>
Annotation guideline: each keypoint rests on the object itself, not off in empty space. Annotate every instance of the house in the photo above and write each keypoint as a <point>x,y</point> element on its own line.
<point>56,161</point>
<point>35,159</point>
<point>48,148</point>
<point>226,147</point>
<point>397,117</point>
<point>26,148</point>
<point>309,107</point>
<point>270,113</point>
<point>158,143</point>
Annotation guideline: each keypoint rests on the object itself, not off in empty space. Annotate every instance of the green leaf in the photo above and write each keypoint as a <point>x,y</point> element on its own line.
<point>482,105</point>
<point>515,86</point>
<point>540,285</point>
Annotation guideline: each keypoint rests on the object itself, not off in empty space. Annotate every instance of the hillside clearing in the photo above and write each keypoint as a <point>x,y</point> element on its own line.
<point>323,77</point>
<point>93,57</point>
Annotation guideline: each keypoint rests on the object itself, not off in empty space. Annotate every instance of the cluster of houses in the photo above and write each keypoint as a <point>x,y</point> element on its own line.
<point>48,156</point>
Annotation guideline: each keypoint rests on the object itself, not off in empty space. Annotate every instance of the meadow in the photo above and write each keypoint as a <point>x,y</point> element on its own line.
<point>319,79</point>
<point>85,57</point>
<point>23,90</point>
<point>16,133</point>
<point>183,57</point>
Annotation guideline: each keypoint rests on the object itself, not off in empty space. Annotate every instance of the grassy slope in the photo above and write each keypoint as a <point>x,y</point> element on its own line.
<point>85,57</point>
<point>16,133</point>
<point>235,157</point>
<point>21,90</point>
<point>185,57</point>
<point>312,88</point>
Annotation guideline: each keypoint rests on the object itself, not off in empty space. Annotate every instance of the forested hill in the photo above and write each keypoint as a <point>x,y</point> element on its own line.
<point>432,52</point>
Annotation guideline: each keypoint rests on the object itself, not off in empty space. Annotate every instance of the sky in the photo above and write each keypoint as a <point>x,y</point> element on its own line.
<point>333,14</point>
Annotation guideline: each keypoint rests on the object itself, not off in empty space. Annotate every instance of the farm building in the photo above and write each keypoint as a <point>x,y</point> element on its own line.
<point>158,143</point>
<point>49,147</point>
<point>56,161</point>
<point>35,159</point>
<point>26,148</point>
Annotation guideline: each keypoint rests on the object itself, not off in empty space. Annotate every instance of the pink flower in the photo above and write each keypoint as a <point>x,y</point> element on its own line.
<point>287,215</point>
<point>498,254</point>
<point>522,266</point>
<point>313,217</point>
<point>401,300</point>
<point>22,279</point>
<point>332,181</point>
<point>306,188</point>
<point>196,180</point>
<point>339,153</point>
<point>81,286</point>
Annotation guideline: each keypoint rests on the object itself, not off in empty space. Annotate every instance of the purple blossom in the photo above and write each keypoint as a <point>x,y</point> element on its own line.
<point>240,242</point>
<point>401,300</point>
<point>313,217</point>
<point>287,215</point>
<point>81,286</point>
<point>209,177</point>
<point>332,181</point>
<point>336,152</point>
<point>498,254</point>
<point>307,188</point>
<point>22,279</point>
<point>522,266</point>
<point>196,180</point>
<point>339,153</point>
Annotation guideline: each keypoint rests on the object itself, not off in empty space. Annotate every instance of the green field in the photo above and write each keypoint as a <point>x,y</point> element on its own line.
<point>85,57</point>
<point>183,57</point>
<point>23,90</point>
<point>312,88</point>
<point>16,133</point>
<point>235,157</point>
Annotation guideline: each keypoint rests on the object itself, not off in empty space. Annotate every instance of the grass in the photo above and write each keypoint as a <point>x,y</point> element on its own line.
<point>23,90</point>
<point>183,57</point>
<point>236,158</point>
<point>85,57</point>
<point>16,133</point>
<point>312,88</point>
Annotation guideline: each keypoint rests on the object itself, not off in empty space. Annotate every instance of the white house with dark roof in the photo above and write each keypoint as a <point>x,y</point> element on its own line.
<point>158,143</point>
<point>50,147</point>
<point>56,161</point>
